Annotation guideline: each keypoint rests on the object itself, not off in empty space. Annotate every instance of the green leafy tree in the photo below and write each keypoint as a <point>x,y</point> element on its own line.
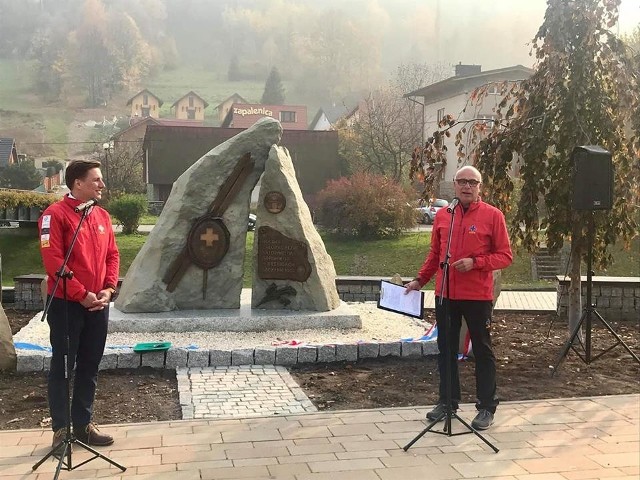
<point>585,90</point>
<point>273,89</point>
<point>22,175</point>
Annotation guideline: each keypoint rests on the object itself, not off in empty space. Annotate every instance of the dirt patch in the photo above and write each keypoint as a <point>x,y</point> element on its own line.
<point>523,350</point>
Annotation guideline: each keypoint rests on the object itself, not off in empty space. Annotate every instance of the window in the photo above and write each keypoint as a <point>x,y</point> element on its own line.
<point>145,99</point>
<point>191,101</point>
<point>440,114</point>
<point>288,117</point>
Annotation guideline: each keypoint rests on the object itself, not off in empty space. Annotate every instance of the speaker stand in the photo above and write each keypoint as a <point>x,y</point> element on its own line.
<point>587,316</point>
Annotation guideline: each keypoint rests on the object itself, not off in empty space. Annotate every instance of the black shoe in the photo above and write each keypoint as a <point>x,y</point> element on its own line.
<point>90,435</point>
<point>439,412</point>
<point>58,437</point>
<point>483,420</point>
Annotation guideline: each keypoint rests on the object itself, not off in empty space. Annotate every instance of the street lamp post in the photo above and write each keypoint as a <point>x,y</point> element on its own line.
<point>108,149</point>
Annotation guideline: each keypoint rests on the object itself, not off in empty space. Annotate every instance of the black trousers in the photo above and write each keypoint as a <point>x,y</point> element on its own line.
<point>477,314</point>
<point>87,338</point>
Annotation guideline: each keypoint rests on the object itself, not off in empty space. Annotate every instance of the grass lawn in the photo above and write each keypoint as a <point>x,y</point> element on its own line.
<point>383,258</point>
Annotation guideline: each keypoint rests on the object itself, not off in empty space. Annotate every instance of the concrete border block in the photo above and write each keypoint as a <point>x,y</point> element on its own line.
<point>176,357</point>
<point>346,352</point>
<point>286,355</point>
<point>152,359</point>
<point>128,360</point>
<point>242,356</point>
<point>307,354</point>
<point>368,350</point>
<point>429,348</point>
<point>390,349</point>
<point>33,362</point>
<point>326,353</point>
<point>264,356</point>
<point>219,358</point>
<point>411,349</point>
<point>198,358</point>
<point>109,361</point>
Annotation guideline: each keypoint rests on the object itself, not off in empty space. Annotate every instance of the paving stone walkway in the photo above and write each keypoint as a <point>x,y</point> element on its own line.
<point>561,439</point>
<point>240,391</point>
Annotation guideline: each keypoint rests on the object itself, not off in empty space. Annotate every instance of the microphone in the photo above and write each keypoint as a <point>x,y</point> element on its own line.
<point>85,205</point>
<point>454,203</point>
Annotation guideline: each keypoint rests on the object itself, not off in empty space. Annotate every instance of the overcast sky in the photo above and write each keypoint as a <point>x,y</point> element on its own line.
<point>493,33</point>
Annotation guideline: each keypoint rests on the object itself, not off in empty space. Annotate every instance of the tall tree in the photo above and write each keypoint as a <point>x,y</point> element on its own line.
<point>585,90</point>
<point>273,89</point>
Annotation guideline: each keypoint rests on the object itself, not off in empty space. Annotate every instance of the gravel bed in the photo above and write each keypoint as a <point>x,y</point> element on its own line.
<point>377,325</point>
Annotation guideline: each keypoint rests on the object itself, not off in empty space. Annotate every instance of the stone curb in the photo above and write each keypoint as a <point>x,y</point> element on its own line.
<point>176,358</point>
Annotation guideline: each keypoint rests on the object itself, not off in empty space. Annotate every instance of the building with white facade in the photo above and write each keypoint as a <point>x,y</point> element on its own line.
<point>452,96</point>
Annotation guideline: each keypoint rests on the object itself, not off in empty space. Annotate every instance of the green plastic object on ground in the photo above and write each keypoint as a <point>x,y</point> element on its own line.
<point>151,347</point>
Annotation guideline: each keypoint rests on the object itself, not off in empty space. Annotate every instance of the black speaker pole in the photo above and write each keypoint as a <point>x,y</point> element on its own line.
<point>64,449</point>
<point>448,414</point>
<point>587,316</point>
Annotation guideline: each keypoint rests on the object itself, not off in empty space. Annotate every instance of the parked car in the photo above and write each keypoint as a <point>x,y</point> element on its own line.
<point>428,212</point>
<point>252,222</point>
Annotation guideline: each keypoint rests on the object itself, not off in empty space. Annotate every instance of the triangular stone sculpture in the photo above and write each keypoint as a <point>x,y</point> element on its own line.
<point>204,209</point>
<point>292,269</point>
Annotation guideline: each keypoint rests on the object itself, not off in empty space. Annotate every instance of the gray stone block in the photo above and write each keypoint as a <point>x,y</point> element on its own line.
<point>176,357</point>
<point>109,361</point>
<point>368,350</point>
<point>429,348</point>
<point>242,356</point>
<point>198,358</point>
<point>264,356</point>
<point>32,362</point>
<point>307,354</point>
<point>346,352</point>
<point>326,353</point>
<point>411,349</point>
<point>389,349</point>
<point>152,359</point>
<point>219,358</point>
<point>286,355</point>
<point>128,360</point>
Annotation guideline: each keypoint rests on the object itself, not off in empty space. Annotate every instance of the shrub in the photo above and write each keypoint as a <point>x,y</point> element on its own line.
<point>128,210</point>
<point>13,198</point>
<point>366,206</point>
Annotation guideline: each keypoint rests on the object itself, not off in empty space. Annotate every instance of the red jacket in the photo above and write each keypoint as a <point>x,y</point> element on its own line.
<point>479,233</point>
<point>94,260</point>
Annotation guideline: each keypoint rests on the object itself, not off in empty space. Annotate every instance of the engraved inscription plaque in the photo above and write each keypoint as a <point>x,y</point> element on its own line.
<point>274,202</point>
<point>208,242</point>
<point>281,257</point>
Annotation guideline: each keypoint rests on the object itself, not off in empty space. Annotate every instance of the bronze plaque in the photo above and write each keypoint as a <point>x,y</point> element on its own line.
<point>281,257</point>
<point>208,241</point>
<point>274,202</point>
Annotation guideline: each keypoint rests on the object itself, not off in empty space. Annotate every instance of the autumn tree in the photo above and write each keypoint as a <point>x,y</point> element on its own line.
<point>273,89</point>
<point>124,166</point>
<point>585,91</point>
<point>382,133</point>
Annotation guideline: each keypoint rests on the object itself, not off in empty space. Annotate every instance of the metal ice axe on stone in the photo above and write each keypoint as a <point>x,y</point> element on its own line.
<point>208,239</point>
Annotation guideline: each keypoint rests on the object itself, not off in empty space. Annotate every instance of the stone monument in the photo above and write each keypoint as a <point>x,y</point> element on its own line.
<point>292,269</point>
<point>194,256</point>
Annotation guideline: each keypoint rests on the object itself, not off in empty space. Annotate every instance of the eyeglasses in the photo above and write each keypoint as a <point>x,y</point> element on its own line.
<point>466,181</point>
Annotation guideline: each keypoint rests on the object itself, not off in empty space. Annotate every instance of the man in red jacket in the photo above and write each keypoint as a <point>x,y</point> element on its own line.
<point>479,245</point>
<point>95,263</point>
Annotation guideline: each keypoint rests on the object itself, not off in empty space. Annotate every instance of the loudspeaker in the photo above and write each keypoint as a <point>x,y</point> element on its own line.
<point>592,178</point>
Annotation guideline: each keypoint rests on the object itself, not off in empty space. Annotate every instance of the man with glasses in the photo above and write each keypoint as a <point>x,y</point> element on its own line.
<point>479,245</point>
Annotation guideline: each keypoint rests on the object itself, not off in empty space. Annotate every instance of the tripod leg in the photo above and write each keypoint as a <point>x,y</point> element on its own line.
<point>617,337</point>
<point>98,455</point>
<point>422,433</point>
<point>493,447</point>
<point>569,343</point>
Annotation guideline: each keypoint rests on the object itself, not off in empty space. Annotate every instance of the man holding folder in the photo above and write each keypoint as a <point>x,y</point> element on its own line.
<point>479,245</point>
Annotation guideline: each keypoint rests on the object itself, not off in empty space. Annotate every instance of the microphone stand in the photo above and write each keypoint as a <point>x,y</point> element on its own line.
<point>448,414</point>
<point>63,450</point>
